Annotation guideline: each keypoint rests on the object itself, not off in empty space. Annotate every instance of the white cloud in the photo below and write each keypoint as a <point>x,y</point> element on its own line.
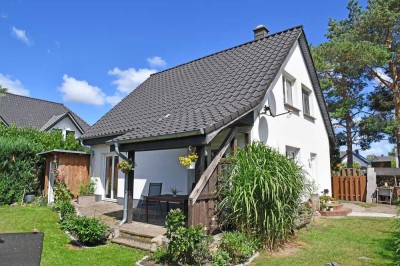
<point>80,91</point>
<point>378,148</point>
<point>21,35</point>
<point>128,80</point>
<point>14,86</point>
<point>113,100</point>
<point>156,61</point>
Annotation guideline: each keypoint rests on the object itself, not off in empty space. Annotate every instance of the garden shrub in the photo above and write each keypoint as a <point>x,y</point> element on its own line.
<point>89,231</point>
<point>188,246</point>
<point>61,191</point>
<point>67,210</point>
<point>220,258</point>
<point>18,169</point>
<point>239,246</point>
<point>260,194</point>
<point>87,188</point>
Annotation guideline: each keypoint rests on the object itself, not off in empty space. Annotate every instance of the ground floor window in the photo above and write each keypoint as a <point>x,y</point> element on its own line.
<point>293,153</point>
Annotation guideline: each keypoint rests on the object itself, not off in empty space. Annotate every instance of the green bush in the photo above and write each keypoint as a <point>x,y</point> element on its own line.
<point>18,169</point>
<point>260,194</point>
<point>87,188</point>
<point>188,246</point>
<point>239,246</point>
<point>89,231</point>
<point>67,210</point>
<point>61,191</point>
<point>220,258</point>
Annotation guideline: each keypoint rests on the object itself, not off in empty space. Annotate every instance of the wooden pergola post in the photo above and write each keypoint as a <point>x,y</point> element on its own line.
<point>131,176</point>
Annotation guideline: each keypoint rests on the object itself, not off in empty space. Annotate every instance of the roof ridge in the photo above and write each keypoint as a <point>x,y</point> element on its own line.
<point>37,99</point>
<point>231,48</point>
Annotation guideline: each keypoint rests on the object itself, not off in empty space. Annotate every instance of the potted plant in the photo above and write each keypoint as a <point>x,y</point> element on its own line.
<point>330,208</point>
<point>189,161</point>
<point>324,207</point>
<point>125,166</point>
<point>174,191</point>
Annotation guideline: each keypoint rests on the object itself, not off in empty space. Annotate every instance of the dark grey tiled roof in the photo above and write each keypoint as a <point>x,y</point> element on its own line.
<point>30,112</point>
<point>200,96</point>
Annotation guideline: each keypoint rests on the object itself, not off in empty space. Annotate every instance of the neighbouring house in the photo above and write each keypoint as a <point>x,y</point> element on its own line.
<point>383,161</point>
<point>263,90</point>
<point>43,115</point>
<point>72,166</point>
<point>357,158</point>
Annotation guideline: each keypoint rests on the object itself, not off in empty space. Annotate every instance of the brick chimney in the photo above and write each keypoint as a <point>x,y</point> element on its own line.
<point>260,32</point>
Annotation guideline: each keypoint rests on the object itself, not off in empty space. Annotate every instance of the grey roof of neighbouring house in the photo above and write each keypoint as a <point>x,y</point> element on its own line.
<point>206,94</point>
<point>25,111</point>
<point>383,158</point>
<point>343,154</point>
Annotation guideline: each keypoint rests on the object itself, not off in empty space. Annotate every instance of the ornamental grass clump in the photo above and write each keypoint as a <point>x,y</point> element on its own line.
<point>261,194</point>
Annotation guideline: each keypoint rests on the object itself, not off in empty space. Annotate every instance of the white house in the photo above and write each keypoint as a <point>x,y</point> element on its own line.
<point>266,88</point>
<point>44,115</point>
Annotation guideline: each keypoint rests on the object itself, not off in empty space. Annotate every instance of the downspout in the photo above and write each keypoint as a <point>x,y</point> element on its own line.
<point>125,216</point>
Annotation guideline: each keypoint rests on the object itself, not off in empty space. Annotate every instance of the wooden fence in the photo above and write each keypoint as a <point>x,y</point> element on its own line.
<point>349,185</point>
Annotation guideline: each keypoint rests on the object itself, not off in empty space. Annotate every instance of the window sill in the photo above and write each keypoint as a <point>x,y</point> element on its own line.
<point>309,117</point>
<point>292,108</point>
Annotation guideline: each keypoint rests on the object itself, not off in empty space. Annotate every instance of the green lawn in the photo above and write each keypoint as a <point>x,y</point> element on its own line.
<point>347,241</point>
<point>56,248</point>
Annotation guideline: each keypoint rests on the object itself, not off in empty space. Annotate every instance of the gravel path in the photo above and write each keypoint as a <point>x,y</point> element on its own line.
<point>371,210</point>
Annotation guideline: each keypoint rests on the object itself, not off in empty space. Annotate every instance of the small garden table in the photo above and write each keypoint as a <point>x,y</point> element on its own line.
<point>168,198</point>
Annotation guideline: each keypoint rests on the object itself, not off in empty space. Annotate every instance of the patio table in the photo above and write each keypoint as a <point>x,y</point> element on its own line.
<point>168,198</point>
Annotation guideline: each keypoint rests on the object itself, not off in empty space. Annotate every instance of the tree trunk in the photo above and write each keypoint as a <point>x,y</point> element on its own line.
<point>349,141</point>
<point>396,108</point>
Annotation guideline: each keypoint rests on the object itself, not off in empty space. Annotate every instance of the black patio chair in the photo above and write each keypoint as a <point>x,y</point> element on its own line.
<point>154,190</point>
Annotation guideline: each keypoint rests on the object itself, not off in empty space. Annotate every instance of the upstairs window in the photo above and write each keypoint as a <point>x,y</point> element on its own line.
<point>288,87</point>
<point>67,132</point>
<point>306,101</point>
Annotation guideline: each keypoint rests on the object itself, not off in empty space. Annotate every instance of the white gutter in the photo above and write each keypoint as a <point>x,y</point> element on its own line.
<point>125,216</point>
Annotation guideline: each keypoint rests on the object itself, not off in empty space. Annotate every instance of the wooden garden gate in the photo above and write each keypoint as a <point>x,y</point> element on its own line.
<point>349,184</point>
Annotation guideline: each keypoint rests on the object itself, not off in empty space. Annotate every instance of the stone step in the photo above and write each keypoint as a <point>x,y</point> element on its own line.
<point>132,243</point>
<point>136,236</point>
<point>340,212</point>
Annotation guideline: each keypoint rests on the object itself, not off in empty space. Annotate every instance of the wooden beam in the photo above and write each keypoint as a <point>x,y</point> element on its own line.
<point>164,144</point>
<point>247,137</point>
<point>234,145</point>
<point>131,177</point>
<point>199,169</point>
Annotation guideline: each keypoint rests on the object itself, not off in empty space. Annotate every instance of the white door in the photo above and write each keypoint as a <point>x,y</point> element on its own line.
<point>50,191</point>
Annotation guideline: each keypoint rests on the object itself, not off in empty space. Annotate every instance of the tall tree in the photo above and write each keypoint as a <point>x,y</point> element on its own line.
<point>376,30</point>
<point>342,82</point>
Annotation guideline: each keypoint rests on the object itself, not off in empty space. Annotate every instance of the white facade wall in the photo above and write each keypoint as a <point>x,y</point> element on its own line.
<point>160,166</point>
<point>66,124</point>
<point>296,130</point>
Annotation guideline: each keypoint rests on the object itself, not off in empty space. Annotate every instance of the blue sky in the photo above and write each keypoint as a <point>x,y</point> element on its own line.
<point>89,54</point>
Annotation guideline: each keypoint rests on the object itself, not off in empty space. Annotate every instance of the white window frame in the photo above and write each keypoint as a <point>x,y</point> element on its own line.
<point>292,153</point>
<point>289,79</point>
<point>310,105</point>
